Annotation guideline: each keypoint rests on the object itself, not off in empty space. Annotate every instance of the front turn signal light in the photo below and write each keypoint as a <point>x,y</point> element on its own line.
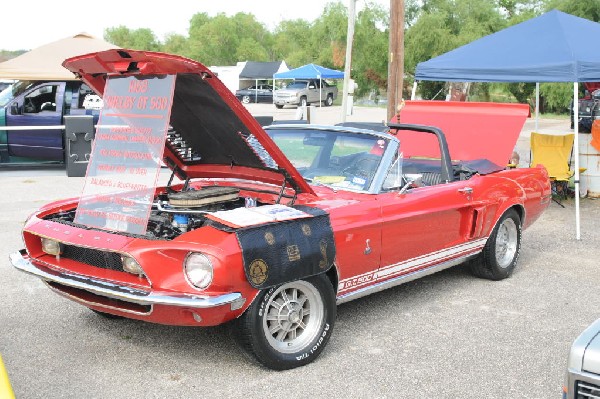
<point>130,265</point>
<point>52,247</point>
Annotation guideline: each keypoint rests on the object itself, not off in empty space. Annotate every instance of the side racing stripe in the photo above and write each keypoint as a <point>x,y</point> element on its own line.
<point>414,263</point>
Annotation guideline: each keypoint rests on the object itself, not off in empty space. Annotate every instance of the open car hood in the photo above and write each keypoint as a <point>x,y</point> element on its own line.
<point>212,134</point>
<point>473,130</point>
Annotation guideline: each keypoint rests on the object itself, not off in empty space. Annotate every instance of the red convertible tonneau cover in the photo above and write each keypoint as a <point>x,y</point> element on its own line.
<point>473,130</point>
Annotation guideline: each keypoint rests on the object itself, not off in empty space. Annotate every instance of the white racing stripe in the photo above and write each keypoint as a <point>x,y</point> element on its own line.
<point>414,263</point>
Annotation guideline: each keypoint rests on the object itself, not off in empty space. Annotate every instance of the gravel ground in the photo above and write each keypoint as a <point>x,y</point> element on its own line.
<point>445,336</point>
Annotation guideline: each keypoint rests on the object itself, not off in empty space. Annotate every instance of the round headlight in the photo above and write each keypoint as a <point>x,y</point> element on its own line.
<point>198,270</point>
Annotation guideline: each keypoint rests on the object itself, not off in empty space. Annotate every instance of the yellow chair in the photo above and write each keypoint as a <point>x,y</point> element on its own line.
<point>554,152</point>
<point>6,391</point>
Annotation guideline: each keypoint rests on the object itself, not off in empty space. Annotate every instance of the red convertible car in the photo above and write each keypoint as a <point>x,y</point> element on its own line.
<point>271,228</point>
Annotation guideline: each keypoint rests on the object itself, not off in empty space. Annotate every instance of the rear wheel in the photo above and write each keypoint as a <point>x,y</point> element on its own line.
<point>288,326</point>
<point>329,100</point>
<point>499,257</point>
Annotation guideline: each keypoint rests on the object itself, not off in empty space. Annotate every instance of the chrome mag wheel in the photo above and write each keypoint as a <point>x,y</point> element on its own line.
<point>506,242</point>
<point>293,316</point>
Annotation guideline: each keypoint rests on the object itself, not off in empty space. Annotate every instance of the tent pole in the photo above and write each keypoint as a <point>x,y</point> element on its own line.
<point>413,94</point>
<point>320,92</point>
<point>537,104</point>
<point>576,145</point>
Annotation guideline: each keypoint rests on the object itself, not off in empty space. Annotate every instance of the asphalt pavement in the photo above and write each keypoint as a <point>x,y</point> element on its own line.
<point>449,335</point>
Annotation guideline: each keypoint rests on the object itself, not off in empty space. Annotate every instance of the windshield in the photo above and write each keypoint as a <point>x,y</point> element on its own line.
<point>296,85</point>
<point>338,159</point>
<point>14,90</point>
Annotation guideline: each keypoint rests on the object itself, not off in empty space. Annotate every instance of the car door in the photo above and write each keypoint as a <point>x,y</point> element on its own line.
<point>427,226</point>
<point>358,242</point>
<point>40,106</point>
<point>313,91</point>
<point>265,94</point>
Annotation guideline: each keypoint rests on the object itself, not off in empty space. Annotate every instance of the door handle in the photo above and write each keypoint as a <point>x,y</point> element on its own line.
<point>467,191</point>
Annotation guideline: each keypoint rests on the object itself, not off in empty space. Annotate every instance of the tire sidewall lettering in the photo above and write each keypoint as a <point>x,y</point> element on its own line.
<point>313,348</point>
<point>264,301</point>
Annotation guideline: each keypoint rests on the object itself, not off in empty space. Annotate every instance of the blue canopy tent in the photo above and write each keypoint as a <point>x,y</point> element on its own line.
<point>554,47</point>
<point>310,71</point>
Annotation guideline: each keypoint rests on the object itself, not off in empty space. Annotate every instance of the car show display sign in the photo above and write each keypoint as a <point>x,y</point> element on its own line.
<point>127,153</point>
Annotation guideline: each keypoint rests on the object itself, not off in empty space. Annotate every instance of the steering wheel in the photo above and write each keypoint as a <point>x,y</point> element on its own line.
<point>28,106</point>
<point>48,106</point>
<point>364,166</point>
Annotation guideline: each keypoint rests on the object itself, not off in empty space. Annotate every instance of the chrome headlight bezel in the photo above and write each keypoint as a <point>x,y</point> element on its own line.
<point>198,270</point>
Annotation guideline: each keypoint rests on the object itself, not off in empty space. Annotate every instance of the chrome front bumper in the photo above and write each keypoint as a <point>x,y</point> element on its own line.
<point>122,292</point>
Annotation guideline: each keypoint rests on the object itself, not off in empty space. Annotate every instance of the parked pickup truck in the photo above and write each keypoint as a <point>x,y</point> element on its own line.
<point>41,103</point>
<point>304,92</point>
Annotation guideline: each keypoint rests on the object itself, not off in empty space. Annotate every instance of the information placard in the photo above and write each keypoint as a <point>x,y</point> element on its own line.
<point>127,153</point>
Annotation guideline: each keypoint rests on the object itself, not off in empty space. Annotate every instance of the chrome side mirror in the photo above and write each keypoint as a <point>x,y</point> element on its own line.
<point>412,181</point>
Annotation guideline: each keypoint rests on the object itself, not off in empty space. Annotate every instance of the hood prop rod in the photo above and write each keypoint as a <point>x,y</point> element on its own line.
<point>287,179</point>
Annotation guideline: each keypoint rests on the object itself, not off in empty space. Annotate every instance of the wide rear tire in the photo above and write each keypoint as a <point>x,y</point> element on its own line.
<point>289,325</point>
<point>499,257</point>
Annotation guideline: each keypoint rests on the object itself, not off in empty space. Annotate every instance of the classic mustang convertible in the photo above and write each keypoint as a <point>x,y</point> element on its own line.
<point>269,229</point>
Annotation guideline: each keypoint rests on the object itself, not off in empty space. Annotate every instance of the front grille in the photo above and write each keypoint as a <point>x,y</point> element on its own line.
<point>585,390</point>
<point>93,257</point>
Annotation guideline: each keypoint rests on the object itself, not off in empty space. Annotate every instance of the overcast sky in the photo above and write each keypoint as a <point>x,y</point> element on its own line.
<point>30,24</point>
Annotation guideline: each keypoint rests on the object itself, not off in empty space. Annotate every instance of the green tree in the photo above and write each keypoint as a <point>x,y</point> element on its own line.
<point>556,97</point>
<point>175,44</point>
<point>369,56</point>
<point>328,36</point>
<point>6,55</point>
<point>588,9</point>
<point>137,39</point>
<point>250,50</point>
<point>292,43</point>
<point>218,40</point>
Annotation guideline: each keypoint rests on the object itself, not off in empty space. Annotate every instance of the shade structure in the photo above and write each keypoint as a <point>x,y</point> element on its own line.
<point>310,71</point>
<point>261,70</point>
<point>554,47</point>
<point>45,62</point>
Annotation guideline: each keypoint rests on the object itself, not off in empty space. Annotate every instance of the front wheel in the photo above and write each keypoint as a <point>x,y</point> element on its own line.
<point>278,106</point>
<point>288,326</point>
<point>501,252</point>
<point>246,99</point>
<point>303,102</point>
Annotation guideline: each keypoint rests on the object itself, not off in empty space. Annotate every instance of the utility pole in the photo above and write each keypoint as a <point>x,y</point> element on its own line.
<point>348,63</point>
<point>395,57</point>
